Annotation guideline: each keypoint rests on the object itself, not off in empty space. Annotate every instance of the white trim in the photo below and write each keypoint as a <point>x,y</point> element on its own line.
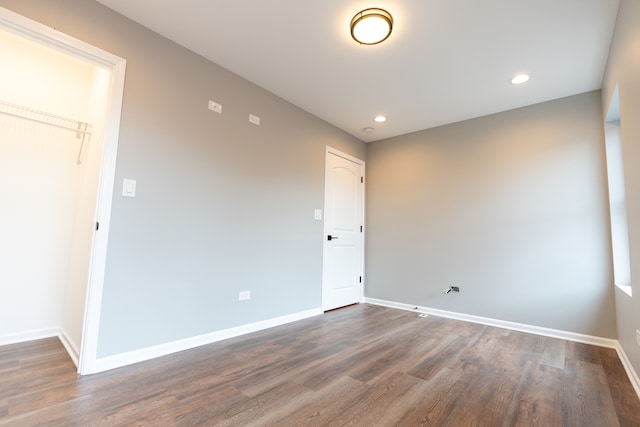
<point>53,38</point>
<point>344,155</point>
<point>325,232</point>
<point>26,27</point>
<point>36,334</point>
<point>631,373</point>
<point>93,304</point>
<point>123,359</point>
<point>626,289</point>
<point>72,348</point>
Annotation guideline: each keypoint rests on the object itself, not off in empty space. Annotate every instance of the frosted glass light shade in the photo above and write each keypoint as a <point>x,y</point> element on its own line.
<point>371,26</point>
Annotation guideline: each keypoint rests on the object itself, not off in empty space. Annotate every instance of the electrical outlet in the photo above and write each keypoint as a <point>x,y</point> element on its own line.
<point>244,295</point>
<point>638,336</point>
<point>214,106</point>
<point>254,119</point>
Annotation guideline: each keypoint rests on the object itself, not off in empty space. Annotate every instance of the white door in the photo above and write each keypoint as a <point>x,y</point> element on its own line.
<point>342,281</point>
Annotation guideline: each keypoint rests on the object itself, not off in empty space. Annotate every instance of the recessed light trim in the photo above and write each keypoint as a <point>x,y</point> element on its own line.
<point>371,26</point>
<point>380,119</point>
<point>521,78</point>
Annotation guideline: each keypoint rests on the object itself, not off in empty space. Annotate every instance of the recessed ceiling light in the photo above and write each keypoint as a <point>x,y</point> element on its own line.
<point>380,119</point>
<point>518,79</point>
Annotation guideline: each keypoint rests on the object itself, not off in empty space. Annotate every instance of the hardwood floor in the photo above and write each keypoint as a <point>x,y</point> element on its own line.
<point>359,366</point>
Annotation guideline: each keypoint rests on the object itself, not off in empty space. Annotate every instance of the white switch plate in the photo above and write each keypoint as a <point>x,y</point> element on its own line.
<point>254,119</point>
<point>244,295</point>
<point>317,214</point>
<point>129,188</point>
<point>214,106</point>
<point>638,336</point>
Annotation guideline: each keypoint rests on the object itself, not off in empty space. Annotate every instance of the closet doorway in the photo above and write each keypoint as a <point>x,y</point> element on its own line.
<point>59,116</point>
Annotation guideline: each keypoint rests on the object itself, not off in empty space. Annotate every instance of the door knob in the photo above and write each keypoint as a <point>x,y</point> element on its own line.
<point>330,237</point>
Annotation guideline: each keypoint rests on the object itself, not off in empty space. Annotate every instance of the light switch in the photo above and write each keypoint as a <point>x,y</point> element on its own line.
<point>129,188</point>
<point>317,215</point>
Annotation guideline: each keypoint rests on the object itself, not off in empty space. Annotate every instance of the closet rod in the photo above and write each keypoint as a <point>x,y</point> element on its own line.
<point>80,128</point>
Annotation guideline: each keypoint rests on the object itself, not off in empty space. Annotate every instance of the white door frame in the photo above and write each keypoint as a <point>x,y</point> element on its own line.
<point>333,151</point>
<point>47,36</point>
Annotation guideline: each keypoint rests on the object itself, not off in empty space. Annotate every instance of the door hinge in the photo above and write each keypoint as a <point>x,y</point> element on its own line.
<point>360,279</point>
<point>362,179</point>
<point>97,226</point>
<point>361,229</point>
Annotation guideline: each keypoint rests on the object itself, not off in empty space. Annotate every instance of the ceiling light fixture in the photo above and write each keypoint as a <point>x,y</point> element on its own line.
<point>380,119</point>
<point>520,79</point>
<point>371,26</point>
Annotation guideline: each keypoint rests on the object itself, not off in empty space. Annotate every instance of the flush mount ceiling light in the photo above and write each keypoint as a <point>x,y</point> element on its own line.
<point>371,26</point>
<point>520,79</point>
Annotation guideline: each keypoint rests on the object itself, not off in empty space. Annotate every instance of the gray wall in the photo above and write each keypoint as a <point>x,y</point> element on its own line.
<point>222,205</point>
<point>624,69</point>
<point>510,207</point>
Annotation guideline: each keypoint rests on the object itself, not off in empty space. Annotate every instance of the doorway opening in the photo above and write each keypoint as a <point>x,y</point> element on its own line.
<point>56,183</point>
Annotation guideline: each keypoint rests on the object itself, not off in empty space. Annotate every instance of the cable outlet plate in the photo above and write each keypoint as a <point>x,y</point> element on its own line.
<point>244,295</point>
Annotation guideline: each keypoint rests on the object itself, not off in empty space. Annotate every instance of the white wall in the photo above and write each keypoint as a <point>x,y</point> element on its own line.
<point>42,189</point>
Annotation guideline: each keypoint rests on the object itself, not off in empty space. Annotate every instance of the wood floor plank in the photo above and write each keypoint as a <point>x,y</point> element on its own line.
<point>362,365</point>
<point>299,369</point>
<point>440,395</point>
<point>198,409</point>
<point>383,404</point>
<point>443,354</point>
<point>552,352</point>
<point>586,398</point>
<point>486,401</point>
<point>537,402</point>
<point>338,397</point>
<point>622,392</point>
<point>288,396</point>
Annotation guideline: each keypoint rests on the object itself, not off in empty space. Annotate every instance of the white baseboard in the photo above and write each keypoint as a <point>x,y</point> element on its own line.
<point>537,330</point>
<point>37,334</point>
<point>631,373</point>
<point>72,348</point>
<point>131,357</point>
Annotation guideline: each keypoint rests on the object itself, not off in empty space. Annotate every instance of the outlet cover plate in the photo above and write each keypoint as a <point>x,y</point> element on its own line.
<point>214,106</point>
<point>254,119</point>
<point>244,295</point>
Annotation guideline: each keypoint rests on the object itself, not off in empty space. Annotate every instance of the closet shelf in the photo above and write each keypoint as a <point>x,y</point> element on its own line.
<point>81,129</point>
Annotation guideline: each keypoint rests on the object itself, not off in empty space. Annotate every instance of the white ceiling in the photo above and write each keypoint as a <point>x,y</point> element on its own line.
<point>446,60</point>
